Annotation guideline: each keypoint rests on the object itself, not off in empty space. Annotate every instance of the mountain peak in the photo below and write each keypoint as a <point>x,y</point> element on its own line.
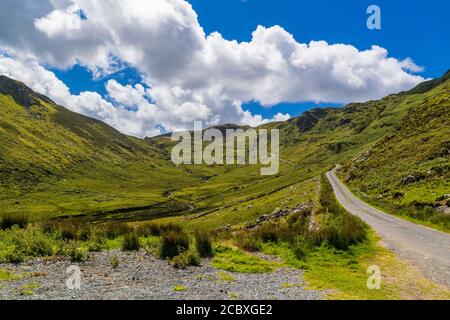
<point>22,94</point>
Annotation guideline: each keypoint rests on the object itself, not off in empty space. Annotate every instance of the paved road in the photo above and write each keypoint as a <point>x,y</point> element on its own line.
<point>426,248</point>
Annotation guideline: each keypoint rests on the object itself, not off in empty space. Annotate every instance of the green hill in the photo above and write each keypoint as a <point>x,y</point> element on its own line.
<point>408,171</point>
<point>54,162</point>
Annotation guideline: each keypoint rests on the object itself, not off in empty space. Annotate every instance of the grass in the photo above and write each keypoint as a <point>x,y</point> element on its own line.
<point>344,274</point>
<point>225,276</point>
<point>180,288</point>
<point>28,289</point>
<point>8,275</point>
<point>235,260</point>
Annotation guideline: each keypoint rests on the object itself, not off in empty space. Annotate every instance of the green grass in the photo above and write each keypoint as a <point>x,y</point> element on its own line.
<point>234,260</point>
<point>179,288</point>
<point>8,275</point>
<point>225,276</point>
<point>344,274</point>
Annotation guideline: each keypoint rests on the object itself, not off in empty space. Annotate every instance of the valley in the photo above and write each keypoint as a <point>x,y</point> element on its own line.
<point>82,190</point>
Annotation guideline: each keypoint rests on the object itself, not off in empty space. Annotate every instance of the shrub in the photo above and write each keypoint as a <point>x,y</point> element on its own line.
<point>72,250</point>
<point>114,230</point>
<point>299,248</point>
<point>204,244</point>
<point>268,233</point>
<point>10,220</point>
<point>247,242</point>
<point>173,244</point>
<point>343,232</point>
<point>15,257</point>
<point>131,242</point>
<point>68,231</point>
<point>186,258</point>
<point>77,255</point>
<point>49,227</point>
<point>149,229</point>
<point>115,262</point>
<point>96,244</point>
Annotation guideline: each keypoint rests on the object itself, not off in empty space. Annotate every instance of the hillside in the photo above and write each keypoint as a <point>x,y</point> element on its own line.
<point>55,162</point>
<point>408,171</point>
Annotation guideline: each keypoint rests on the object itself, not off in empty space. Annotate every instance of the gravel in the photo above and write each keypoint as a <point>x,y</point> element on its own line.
<point>142,276</point>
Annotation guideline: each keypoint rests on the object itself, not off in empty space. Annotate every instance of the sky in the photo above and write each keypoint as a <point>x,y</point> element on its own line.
<point>151,66</point>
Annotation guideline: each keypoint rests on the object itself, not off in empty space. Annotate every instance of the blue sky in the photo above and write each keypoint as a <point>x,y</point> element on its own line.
<point>179,75</point>
<point>416,29</point>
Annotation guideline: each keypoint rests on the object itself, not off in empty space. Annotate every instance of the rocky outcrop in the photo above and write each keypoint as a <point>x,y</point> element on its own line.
<point>279,213</point>
<point>20,92</point>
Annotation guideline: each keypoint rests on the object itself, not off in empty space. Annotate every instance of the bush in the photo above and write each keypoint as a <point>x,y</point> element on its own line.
<point>115,262</point>
<point>268,233</point>
<point>49,227</point>
<point>10,220</point>
<point>15,257</point>
<point>114,230</point>
<point>131,242</point>
<point>68,231</point>
<point>173,244</point>
<point>204,244</point>
<point>300,249</point>
<point>186,258</point>
<point>76,254</point>
<point>96,244</point>
<point>247,242</point>
<point>343,232</point>
<point>149,229</point>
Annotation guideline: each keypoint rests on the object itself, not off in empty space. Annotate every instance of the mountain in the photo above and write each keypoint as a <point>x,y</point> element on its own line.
<point>55,162</point>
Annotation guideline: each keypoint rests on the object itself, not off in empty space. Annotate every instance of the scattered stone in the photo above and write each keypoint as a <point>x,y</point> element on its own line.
<point>155,281</point>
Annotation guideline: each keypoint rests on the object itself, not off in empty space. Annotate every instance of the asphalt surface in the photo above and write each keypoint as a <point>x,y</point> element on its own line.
<point>424,247</point>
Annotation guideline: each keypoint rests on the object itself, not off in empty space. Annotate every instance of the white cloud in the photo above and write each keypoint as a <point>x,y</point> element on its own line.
<point>188,75</point>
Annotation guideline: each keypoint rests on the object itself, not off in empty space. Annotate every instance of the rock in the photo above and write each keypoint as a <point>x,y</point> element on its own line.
<point>443,209</point>
<point>409,179</point>
<point>276,211</point>
<point>250,226</point>
<point>249,206</point>
<point>263,218</point>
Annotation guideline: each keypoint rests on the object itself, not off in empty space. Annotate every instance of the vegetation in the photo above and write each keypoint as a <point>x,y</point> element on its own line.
<point>204,244</point>
<point>131,242</point>
<point>70,185</point>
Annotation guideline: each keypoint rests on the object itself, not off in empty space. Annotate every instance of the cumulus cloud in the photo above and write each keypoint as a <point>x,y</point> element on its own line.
<point>187,74</point>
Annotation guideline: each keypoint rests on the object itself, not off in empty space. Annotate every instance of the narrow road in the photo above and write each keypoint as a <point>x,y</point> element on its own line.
<point>424,247</point>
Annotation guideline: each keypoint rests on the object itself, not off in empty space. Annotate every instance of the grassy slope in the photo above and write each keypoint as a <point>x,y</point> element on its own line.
<point>419,147</point>
<point>56,162</point>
